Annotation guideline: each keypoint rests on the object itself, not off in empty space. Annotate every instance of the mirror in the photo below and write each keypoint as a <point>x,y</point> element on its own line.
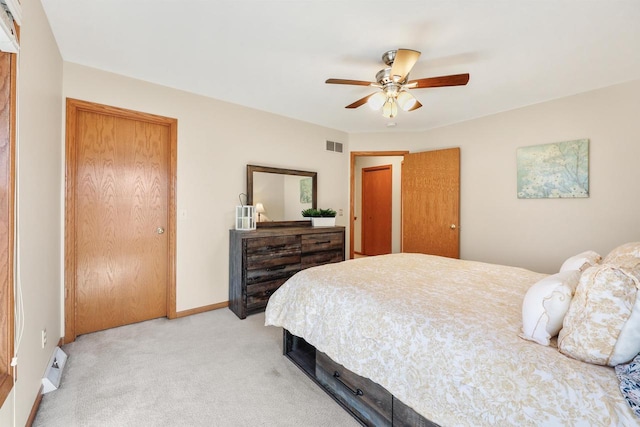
<point>280,195</point>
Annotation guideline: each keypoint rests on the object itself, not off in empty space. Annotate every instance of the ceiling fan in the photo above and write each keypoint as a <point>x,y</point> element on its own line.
<point>394,82</point>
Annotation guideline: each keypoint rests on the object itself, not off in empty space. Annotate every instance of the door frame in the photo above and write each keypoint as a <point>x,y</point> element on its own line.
<point>8,76</point>
<point>73,107</point>
<point>352,187</point>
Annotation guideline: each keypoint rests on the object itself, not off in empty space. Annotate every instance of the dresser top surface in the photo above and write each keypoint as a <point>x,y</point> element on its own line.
<point>281,231</point>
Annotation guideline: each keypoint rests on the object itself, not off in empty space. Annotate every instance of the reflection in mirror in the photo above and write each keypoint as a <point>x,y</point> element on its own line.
<point>280,194</point>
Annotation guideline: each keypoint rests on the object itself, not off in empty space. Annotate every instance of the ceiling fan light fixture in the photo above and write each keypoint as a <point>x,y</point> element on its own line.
<point>390,108</point>
<point>377,100</point>
<point>406,101</point>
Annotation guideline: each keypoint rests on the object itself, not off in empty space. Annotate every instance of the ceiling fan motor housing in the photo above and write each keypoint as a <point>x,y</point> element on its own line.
<point>384,77</point>
<point>388,85</point>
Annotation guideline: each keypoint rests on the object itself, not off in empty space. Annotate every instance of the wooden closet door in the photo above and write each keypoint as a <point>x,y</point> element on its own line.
<point>121,192</point>
<point>376,210</point>
<point>431,202</point>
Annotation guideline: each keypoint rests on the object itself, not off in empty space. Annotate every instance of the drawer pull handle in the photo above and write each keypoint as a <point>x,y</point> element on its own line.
<point>276,246</point>
<point>280,267</point>
<point>322,243</point>
<point>357,391</point>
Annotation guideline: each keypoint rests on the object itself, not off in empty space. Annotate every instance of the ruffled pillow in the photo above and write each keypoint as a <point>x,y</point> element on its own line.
<point>618,255</point>
<point>581,262</point>
<point>545,305</point>
<point>602,325</point>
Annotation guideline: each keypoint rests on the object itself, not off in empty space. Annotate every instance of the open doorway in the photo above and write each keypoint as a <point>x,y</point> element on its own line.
<point>372,159</point>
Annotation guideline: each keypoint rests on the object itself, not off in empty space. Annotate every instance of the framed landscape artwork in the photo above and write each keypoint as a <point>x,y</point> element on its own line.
<point>558,170</point>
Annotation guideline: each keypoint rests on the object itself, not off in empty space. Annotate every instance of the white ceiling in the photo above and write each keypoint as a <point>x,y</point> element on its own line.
<point>275,55</point>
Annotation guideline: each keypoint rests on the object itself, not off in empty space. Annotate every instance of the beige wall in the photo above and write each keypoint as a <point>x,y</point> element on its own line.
<point>216,140</point>
<point>40,175</point>
<point>539,234</point>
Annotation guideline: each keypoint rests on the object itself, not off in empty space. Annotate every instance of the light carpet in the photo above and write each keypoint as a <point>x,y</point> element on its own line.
<point>209,369</point>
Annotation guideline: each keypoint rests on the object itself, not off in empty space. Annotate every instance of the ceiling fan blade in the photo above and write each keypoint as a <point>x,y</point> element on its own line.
<point>348,82</point>
<point>452,80</point>
<point>415,106</point>
<point>360,101</point>
<point>403,62</point>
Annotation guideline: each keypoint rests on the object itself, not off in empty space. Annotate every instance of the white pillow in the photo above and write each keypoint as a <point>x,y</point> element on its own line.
<point>545,305</point>
<point>581,262</point>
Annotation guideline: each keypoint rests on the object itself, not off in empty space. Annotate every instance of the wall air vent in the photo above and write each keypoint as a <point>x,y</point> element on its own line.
<point>334,146</point>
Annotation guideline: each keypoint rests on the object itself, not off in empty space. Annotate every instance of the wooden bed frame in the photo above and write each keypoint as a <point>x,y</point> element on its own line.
<point>368,402</point>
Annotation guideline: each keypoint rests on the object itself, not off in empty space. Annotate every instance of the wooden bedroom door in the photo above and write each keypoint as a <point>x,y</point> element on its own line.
<point>119,197</point>
<point>376,210</point>
<point>431,202</point>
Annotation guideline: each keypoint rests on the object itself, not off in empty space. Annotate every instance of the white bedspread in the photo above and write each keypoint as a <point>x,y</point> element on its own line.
<point>442,336</point>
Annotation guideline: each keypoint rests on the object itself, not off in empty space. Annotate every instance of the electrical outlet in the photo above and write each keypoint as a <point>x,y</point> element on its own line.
<point>44,337</point>
<point>340,212</point>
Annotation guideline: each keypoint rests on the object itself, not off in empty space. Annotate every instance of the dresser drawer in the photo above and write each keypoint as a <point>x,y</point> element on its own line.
<point>272,244</point>
<point>258,294</point>
<point>322,242</point>
<point>320,258</point>
<point>271,254</point>
<point>273,261</point>
<point>370,401</point>
<point>286,269</point>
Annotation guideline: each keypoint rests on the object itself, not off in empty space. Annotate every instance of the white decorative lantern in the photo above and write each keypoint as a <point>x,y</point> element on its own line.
<point>245,216</point>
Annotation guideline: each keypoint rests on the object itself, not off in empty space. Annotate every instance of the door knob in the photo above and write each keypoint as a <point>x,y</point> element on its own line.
<point>160,230</point>
<point>452,226</point>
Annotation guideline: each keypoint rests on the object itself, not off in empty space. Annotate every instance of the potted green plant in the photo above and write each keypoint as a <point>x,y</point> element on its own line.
<point>320,217</point>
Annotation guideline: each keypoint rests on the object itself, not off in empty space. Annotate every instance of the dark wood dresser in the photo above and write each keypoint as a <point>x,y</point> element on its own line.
<point>260,261</point>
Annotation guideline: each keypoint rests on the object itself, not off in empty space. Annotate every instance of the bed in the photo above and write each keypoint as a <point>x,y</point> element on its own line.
<point>442,337</point>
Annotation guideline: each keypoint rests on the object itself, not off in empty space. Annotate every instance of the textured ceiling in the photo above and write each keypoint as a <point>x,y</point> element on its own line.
<point>275,55</point>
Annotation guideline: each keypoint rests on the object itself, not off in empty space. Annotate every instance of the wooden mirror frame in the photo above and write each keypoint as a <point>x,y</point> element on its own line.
<point>266,169</point>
